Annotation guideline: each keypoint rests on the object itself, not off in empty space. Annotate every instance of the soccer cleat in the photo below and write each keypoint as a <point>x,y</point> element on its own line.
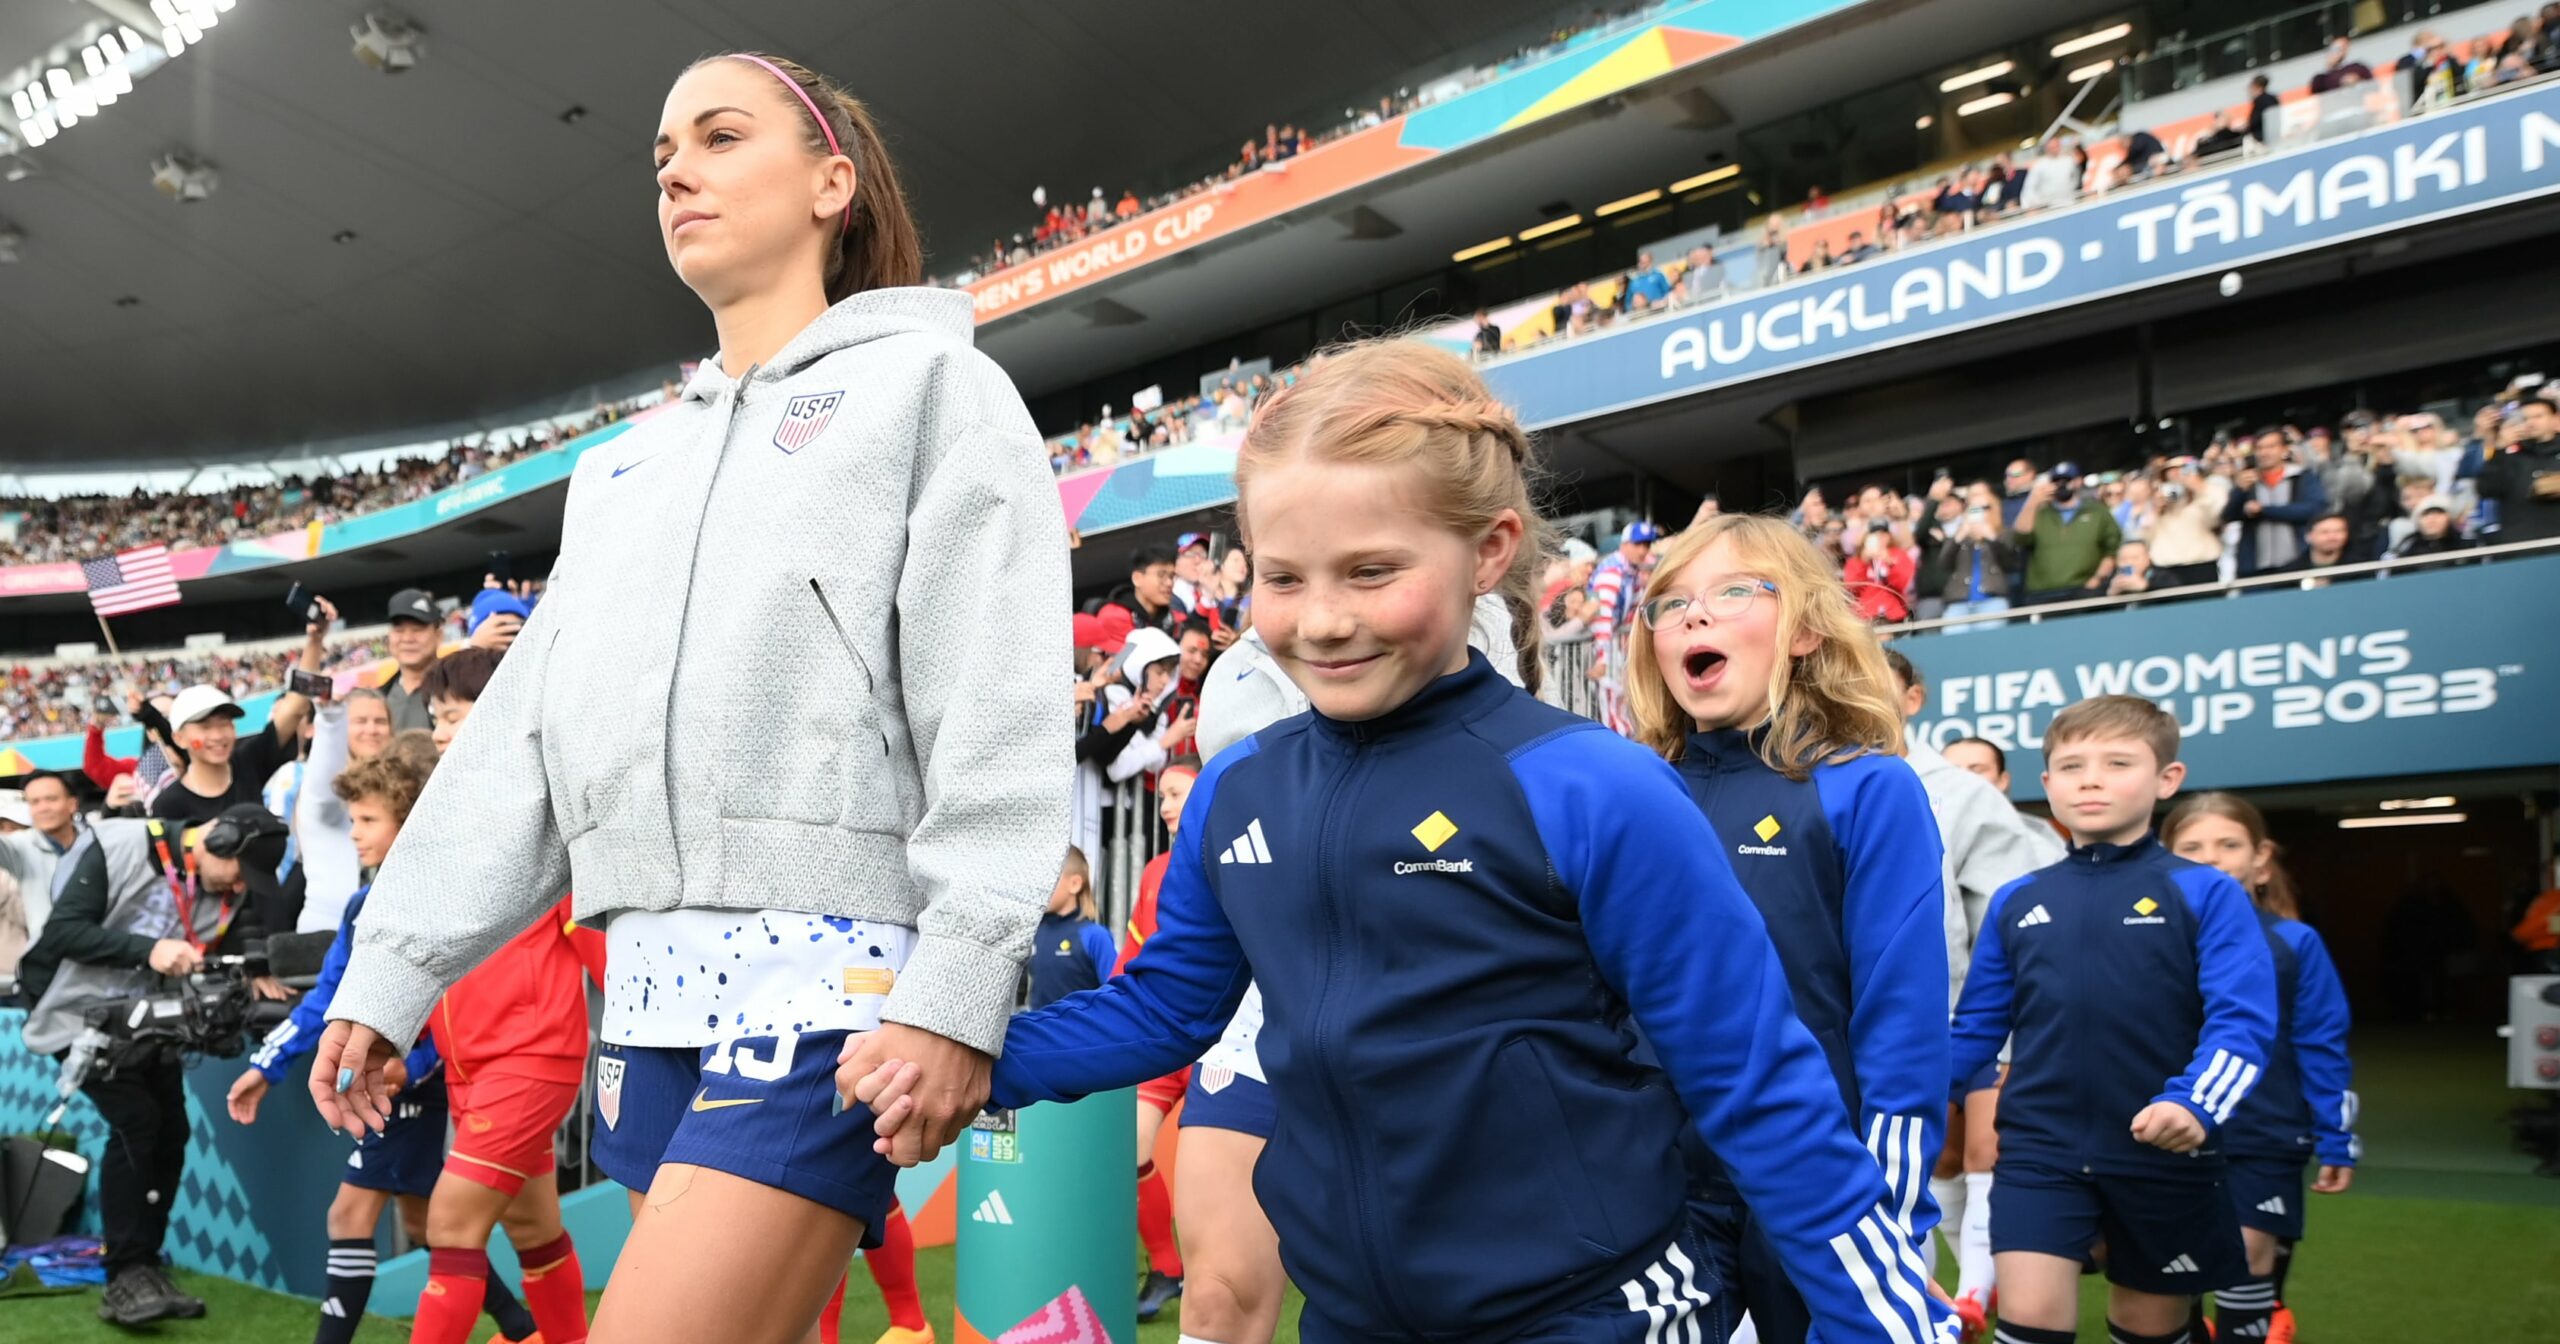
<point>899,1334</point>
<point>1973,1315</point>
<point>2280,1325</point>
<point>1156,1293</point>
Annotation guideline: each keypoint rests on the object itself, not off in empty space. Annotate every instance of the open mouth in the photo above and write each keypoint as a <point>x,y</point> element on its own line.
<point>1702,666</point>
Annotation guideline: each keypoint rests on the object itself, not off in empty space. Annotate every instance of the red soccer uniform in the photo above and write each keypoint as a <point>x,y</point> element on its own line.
<point>513,1035</point>
<point>1160,1093</point>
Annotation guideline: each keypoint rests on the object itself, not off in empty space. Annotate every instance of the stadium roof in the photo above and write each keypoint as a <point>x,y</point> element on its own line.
<point>504,257</point>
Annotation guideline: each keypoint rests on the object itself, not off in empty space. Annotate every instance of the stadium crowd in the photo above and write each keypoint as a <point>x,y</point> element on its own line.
<point>1065,224</point>
<point>45,530</point>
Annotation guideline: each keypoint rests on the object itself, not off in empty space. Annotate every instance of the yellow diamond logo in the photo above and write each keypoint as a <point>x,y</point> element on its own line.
<point>1435,831</point>
<point>1767,830</point>
<point>2145,906</point>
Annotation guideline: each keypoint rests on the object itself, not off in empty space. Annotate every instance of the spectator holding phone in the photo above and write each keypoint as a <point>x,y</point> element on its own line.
<point>2273,503</point>
<point>2069,537</point>
<point>1970,555</point>
<point>2523,478</point>
<point>2186,526</point>
<point>223,766</point>
<point>344,733</point>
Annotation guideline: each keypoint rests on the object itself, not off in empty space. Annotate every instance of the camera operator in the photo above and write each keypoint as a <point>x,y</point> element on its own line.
<point>136,902</point>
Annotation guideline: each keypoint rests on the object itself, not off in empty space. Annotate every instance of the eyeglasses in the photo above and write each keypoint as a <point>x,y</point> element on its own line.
<point>1726,602</point>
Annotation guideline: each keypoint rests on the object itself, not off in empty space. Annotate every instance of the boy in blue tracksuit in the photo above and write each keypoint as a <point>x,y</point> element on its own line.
<point>2141,996</point>
<point>1454,912</point>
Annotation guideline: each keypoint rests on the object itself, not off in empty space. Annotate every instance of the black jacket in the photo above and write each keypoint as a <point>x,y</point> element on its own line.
<point>2509,479</point>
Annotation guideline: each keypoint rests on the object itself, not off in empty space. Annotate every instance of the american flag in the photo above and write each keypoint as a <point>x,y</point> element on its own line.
<point>134,580</point>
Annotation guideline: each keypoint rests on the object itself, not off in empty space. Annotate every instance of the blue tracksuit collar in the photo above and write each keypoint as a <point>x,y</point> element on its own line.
<point>1445,703</point>
<point>1717,750</point>
<point>2100,855</point>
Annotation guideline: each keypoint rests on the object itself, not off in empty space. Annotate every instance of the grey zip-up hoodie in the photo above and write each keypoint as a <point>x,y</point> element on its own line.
<point>779,667</point>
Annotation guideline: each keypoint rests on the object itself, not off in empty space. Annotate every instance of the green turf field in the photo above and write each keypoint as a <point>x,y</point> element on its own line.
<point>2445,1237</point>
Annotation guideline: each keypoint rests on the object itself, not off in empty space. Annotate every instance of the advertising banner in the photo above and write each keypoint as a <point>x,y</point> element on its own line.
<point>2453,162</point>
<point>2409,674</point>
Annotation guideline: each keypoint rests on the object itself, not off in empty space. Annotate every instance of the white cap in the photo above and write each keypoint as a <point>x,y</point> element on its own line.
<point>195,702</point>
<point>2437,502</point>
<point>13,807</point>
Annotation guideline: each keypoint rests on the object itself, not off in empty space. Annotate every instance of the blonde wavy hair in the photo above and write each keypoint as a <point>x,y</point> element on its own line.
<point>1393,402</point>
<point>1829,705</point>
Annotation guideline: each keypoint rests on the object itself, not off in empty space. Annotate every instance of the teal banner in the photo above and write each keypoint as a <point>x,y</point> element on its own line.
<point>2422,673</point>
<point>470,496</point>
<point>1048,1223</point>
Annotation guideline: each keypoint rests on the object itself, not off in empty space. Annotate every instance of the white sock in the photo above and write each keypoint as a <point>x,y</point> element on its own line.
<point>1973,1252</point>
<point>1744,1332</point>
<point>1949,1191</point>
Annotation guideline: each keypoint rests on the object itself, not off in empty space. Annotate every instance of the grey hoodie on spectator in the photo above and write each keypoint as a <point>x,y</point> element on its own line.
<point>768,675</point>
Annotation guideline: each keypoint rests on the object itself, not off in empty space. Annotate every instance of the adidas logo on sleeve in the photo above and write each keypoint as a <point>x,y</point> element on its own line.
<point>2039,915</point>
<point>1249,847</point>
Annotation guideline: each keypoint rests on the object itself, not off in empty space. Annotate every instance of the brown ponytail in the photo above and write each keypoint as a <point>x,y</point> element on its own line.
<point>880,247</point>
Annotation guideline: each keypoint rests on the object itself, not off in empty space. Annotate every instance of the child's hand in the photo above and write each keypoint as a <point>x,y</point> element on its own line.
<point>2166,1124</point>
<point>250,1088</point>
<point>888,1090</point>
<point>2333,1180</point>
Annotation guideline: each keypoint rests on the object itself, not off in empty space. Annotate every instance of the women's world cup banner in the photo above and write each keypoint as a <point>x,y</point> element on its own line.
<point>2430,672</point>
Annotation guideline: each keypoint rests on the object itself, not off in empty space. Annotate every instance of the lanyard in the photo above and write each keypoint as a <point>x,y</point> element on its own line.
<point>183,895</point>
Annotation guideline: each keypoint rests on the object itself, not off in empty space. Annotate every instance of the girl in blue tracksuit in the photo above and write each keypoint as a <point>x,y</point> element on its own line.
<point>1461,904</point>
<point>2304,1110</point>
<point>1770,696</point>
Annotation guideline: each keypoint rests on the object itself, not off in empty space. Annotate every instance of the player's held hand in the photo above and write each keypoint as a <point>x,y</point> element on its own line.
<point>348,1080</point>
<point>2168,1125</point>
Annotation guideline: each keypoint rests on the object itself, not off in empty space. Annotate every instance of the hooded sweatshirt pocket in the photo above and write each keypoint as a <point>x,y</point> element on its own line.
<point>872,802</point>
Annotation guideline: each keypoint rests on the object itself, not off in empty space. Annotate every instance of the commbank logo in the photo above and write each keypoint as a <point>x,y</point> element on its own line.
<point>992,1210</point>
<point>1434,831</point>
<point>2039,915</point>
<point>1767,829</point>
<point>1249,847</point>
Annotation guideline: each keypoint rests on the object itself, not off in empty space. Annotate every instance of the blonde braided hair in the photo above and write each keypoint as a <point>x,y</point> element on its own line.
<point>1403,403</point>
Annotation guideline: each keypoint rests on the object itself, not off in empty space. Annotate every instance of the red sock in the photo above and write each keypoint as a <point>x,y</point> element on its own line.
<point>893,1267</point>
<point>456,1282</point>
<point>830,1324</point>
<point>555,1291</point>
<point>1155,1222</point>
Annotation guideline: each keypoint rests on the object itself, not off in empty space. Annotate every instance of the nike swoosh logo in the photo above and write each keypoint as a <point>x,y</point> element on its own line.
<point>702,1101</point>
<point>617,471</point>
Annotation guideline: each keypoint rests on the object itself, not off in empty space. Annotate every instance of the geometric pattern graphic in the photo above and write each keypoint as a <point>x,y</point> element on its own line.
<point>1068,1320</point>
<point>213,1228</point>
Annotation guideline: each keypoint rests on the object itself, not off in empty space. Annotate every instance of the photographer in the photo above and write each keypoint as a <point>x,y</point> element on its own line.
<point>1969,555</point>
<point>137,902</point>
<point>2186,532</point>
<point>2070,539</point>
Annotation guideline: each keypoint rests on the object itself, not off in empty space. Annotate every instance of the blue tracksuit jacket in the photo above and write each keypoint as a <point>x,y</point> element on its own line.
<point>302,1031</point>
<point>1069,954</point>
<point>2129,976</point>
<point>1846,869</point>
<point>2305,1105</point>
<point>1454,912</point>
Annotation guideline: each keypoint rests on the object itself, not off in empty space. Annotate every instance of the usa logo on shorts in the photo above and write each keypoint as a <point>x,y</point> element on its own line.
<point>1215,1077</point>
<point>804,419</point>
<point>609,1090</point>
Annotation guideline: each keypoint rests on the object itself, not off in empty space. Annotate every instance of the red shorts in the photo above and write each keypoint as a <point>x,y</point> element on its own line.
<point>1162,1093</point>
<point>503,1124</point>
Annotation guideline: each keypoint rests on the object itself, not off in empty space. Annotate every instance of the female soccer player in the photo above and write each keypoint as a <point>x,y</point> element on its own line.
<point>1455,897</point>
<point>757,724</point>
<point>2304,1109</point>
<point>1764,688</point>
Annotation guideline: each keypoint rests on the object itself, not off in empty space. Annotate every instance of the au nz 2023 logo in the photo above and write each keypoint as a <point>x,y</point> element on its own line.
<point>804,419</point>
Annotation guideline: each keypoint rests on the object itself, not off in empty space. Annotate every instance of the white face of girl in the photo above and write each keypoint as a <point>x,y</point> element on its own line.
<point>741,200</point>
<point>1718,668</point>
<point>2223,843</point>
<point>1363,597</point>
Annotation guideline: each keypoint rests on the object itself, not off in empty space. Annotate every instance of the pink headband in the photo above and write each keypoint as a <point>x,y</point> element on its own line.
<point>805,101</point>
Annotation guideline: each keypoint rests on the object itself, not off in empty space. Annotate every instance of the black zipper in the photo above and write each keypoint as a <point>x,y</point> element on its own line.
<point>1327,1043</point>
<point>870,687</point>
